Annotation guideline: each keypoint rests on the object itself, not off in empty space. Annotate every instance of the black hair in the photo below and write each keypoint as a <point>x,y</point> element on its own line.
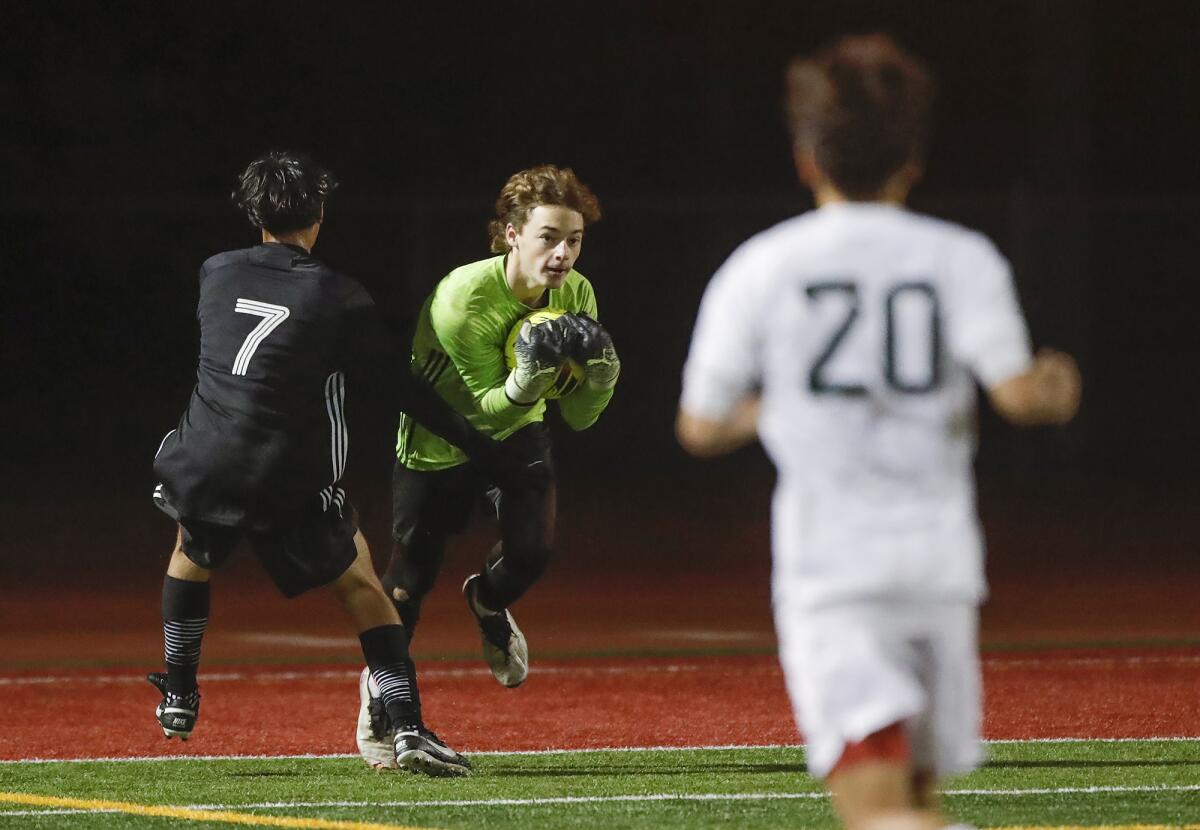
<point>862,107</point>
<point>283,192</point>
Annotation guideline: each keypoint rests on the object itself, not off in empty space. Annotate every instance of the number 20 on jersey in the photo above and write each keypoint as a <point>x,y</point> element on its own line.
<point>900,299</point>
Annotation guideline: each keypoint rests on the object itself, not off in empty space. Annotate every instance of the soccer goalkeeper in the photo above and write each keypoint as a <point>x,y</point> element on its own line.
<point>458,348</point>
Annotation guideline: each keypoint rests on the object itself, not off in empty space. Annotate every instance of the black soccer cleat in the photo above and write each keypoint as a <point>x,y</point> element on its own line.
<point>419,750</point>
<point>176,714</point>
<point>504,646</point>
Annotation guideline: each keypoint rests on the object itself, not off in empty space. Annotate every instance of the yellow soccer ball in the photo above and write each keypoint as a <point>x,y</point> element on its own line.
<point>571,373</point>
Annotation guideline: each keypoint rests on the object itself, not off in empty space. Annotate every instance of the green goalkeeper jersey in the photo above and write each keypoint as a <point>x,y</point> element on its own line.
<point>458,348</point>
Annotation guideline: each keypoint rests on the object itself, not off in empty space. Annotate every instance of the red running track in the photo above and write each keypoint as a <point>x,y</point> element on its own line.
<point>686,701</point>
<point>639,573</point>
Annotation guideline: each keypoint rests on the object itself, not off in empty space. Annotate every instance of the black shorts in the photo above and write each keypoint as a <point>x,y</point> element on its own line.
<point>440,502</point>
<point>313,548</point>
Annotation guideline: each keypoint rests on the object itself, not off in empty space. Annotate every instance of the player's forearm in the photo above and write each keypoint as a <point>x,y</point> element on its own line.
<point>1048,393</point>
<point>500,408</point>
<point>428,409</point>
<point>584,406</point>
<point>705,438</point>
<point>1023,404</point>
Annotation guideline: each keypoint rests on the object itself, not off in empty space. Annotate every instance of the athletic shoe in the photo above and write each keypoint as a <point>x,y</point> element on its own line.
<point>504,646</point>
<point>176,714</point>
<point>418,750</point>
<point>374,735</point>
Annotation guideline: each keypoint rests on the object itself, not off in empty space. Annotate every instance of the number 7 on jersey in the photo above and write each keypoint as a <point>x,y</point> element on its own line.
<point>272,315</point>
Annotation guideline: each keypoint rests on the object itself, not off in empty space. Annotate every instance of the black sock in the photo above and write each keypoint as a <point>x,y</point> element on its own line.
<point>185,616</point>
<point>508,576</point>
<point>385,648</point>
<point>413,569</point>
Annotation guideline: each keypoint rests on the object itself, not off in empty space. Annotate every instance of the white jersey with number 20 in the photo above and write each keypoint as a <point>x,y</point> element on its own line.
<point>863,325</point>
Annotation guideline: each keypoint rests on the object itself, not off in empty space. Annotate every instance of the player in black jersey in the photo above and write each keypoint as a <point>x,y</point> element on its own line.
<point>261,448</point>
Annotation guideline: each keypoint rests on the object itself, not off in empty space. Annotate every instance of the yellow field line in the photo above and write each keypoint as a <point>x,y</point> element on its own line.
<point>221,816</point>
<point>228,817</point>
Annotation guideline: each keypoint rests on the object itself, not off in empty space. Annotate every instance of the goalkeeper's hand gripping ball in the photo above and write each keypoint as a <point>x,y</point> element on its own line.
<point>537,353</point>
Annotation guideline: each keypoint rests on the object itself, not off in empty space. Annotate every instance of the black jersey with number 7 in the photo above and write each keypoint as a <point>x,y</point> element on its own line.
<point>265,430</point>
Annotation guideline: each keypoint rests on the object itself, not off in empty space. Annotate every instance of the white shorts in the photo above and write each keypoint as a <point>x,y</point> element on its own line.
<point>854,669</point>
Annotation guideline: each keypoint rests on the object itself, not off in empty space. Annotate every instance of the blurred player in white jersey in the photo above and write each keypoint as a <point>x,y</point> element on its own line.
<point>850,339</point>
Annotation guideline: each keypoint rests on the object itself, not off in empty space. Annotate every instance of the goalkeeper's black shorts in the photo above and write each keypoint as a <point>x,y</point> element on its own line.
<point>439,503</point>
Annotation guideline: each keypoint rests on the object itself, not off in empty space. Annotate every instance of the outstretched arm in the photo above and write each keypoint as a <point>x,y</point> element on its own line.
<point>373,358</point>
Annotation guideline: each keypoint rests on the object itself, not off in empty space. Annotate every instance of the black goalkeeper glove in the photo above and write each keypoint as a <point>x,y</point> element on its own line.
<point>540,352</point>
<point>591,347</point>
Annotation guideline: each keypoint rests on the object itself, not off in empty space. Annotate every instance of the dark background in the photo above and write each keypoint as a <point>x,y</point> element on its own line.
<point>1067,130</point>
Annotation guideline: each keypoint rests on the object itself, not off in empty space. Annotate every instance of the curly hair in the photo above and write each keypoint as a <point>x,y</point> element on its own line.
<point>862,107</point>
<point>541,185</point>
<point>283,192</point>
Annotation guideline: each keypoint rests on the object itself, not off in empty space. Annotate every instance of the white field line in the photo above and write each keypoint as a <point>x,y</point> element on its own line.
<point>209,677</point>
<point>705,635</point>
<point>640,798</point>
<point>991,741</point>
<point>296,640</point>
<point>346,674</point>
<point>580,751</point>
<point>999,663</point>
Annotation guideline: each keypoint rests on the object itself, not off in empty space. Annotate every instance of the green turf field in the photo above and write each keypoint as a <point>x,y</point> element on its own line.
<point>1025,784</point>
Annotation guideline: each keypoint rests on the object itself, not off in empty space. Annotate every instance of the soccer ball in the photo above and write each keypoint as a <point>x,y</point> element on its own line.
<point>571,373</point>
